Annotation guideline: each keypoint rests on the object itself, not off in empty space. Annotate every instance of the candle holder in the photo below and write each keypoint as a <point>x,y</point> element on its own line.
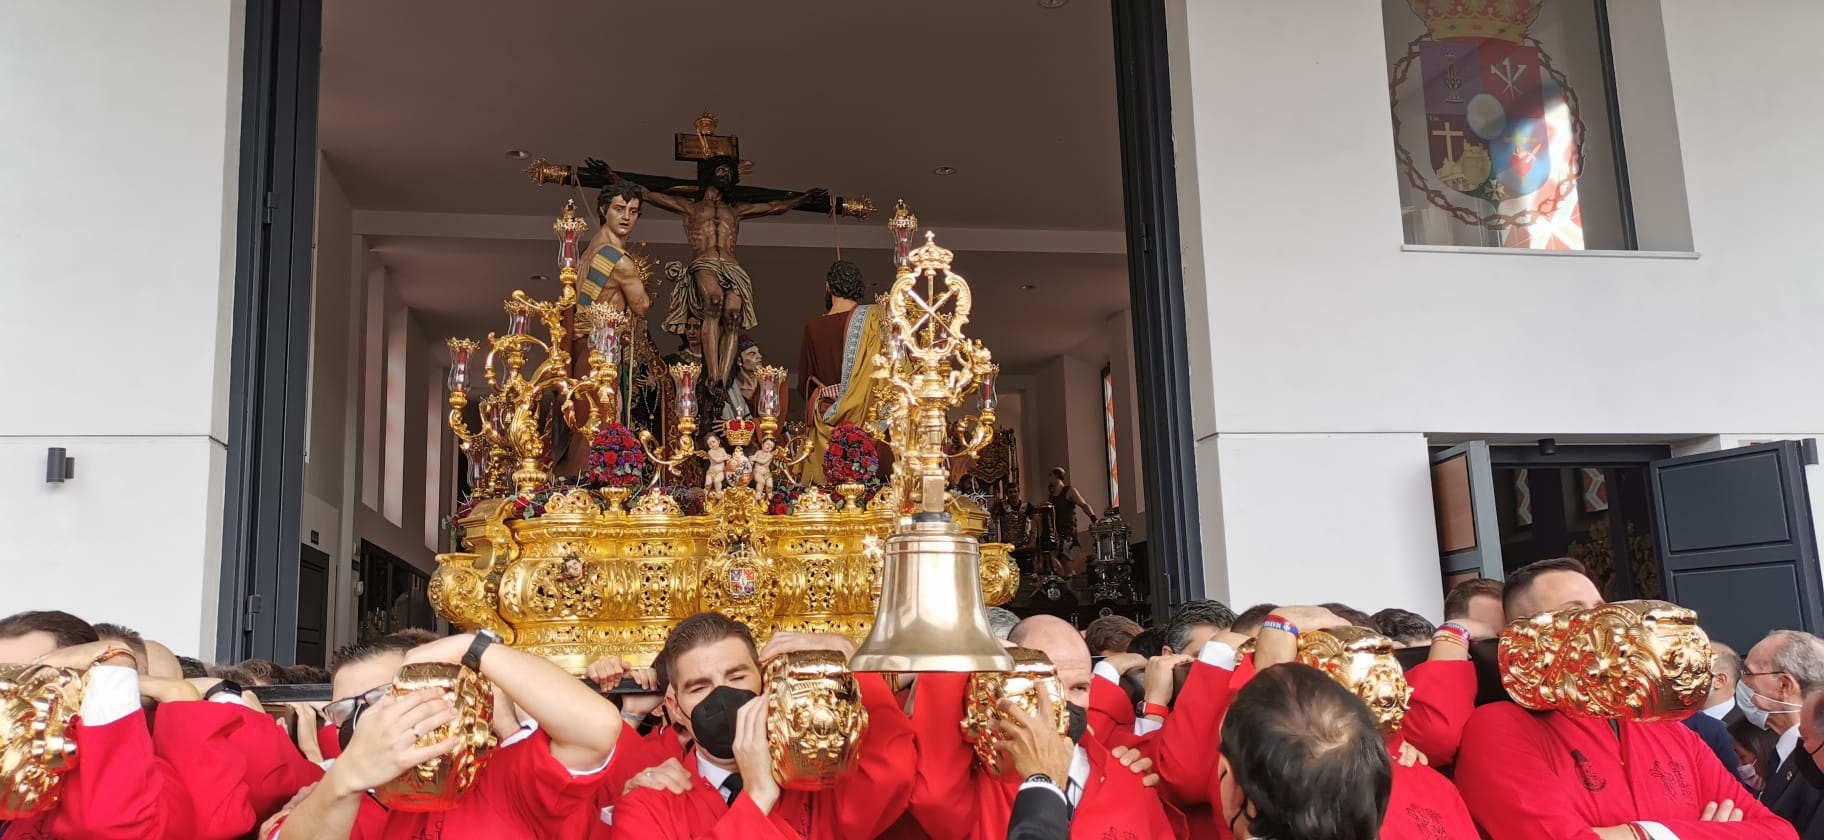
<point>684,380</point>
<point>771,383</point>
<point>516,414</point>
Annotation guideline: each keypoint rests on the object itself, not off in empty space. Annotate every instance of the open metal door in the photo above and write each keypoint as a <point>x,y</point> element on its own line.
<point>1463,496</point>
<point>1734,534</point>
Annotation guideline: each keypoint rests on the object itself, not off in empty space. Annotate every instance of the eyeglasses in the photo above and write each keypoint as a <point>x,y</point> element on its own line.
<point>1746,674</point>
<point>340,711</point>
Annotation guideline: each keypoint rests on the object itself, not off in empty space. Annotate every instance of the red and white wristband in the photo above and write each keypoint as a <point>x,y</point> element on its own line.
<point>1453,632</point>
<point>1280,623</point>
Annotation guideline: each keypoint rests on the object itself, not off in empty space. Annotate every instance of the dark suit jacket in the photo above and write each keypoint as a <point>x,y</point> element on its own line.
<point>1794,799</point>
<point>1716,737</point>
<point>1040,815</point>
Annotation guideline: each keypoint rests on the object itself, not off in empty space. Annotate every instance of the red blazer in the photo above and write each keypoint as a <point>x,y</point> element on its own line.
<point>118,790</point>
<point>1424,805</point>
<point>1546,775</point>
<point>1111,717</point>
<point>1443,697</point>
<point>864,805</point>
<point>954,798</point>
<point>271,768</point>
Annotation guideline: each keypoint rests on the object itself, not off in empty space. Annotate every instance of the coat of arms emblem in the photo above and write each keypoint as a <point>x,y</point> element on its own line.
<point>1502,126</point>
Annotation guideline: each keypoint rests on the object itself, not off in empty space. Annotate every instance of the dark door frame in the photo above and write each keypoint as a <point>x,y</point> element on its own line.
<point>270,361</point>
<point>269,366</point>
<point>1155,282</point>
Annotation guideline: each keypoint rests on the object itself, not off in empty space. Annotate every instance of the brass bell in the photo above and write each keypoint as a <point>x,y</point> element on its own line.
<point>931,615</point>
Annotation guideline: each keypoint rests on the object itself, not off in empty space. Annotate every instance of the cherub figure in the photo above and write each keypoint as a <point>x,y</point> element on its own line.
<point>718,463</point>
<point>762,462</point>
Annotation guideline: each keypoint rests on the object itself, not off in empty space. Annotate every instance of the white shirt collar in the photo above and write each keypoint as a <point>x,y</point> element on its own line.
<point>1784,746</point>
<point>711,773</point>
<point>1721,710</point>
<point>1079,773</point>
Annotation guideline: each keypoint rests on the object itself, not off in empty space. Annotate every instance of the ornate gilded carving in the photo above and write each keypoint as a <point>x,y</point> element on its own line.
<point>1630,660</point>
<point>1363,662</point>
<point>437,784</point>
<point>986,692</point>
<point>38,704</point>
<point>657,503</point>
<point>1000,574</point>
<point>815,719</point>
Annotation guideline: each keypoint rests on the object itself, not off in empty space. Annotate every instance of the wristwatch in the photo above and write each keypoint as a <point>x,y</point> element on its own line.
<point>223,687</point>
<point>483,638</point>
<point>1040,777</point>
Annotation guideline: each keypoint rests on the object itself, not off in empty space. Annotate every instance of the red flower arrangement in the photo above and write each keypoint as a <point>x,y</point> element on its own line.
<point>851,457</point>
<point>615,458</point>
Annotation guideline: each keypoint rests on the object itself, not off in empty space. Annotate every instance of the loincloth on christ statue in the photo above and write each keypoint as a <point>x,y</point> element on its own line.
<point>687,299</point>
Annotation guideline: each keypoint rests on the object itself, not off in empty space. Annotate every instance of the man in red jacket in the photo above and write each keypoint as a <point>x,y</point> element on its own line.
<point>714,691</point>
<point>955,797</point>
<point>528,785</point>
<point>121,787</point>
<point>1548,775</point>
<point>1422,805</point>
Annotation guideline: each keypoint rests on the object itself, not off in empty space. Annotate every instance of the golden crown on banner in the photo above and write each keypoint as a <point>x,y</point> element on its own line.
<point>1506,20</point>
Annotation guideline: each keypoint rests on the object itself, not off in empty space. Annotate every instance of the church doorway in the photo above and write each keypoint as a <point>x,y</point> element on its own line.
<point>1034,151</point>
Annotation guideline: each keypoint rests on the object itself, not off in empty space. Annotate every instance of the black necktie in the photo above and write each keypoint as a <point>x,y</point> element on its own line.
<point>732,785</point>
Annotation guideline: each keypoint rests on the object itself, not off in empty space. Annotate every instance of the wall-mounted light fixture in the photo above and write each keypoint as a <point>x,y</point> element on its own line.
<point>59,467</point>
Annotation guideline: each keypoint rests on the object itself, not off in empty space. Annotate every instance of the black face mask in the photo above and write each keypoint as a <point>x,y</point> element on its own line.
<point>1806,762</point>
<point>712,722</point>
<point>1079,722</point>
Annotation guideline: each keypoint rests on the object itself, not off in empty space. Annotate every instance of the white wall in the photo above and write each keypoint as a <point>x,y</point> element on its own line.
<point>1312,319</point>
<point>117,231</point>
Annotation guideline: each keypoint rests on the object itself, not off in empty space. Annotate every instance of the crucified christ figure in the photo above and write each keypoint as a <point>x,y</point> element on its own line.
<point>720,292</point>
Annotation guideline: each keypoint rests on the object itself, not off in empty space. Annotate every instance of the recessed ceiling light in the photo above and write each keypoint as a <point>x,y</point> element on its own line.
<point>518,154</point>
<point>945,170</point>
<point>1027,287</point>
<point>1052,4</point>
<point>540,277</point>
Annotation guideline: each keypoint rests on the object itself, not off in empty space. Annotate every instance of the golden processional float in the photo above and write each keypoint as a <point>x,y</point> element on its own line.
<point>608,564</point>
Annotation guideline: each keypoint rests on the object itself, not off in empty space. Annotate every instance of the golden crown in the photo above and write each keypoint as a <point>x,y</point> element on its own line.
<point>1505,20</point>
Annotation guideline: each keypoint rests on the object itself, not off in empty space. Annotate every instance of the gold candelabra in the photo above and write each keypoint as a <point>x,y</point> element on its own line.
<point>931,615</point>
<point>684,381</point>
<point>516,413</point>
<point>929,368</point>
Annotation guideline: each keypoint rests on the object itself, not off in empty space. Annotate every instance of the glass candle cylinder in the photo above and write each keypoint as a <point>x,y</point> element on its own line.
<point>769,397</point>
<point>516,320</point>
<point>991,395</point>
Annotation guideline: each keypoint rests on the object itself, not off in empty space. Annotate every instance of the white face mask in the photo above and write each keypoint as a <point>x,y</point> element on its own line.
<point>1749,776</point>
<point>1744,700</point>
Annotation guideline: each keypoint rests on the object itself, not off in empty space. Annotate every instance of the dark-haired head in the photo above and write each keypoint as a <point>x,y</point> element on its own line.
<point>1195,623</point>
<point>720,172</point>
<point>1150,643</point>
<point>359,667</point>
<point>1405,627</point>
<point>1110,634</point>
<point>1350,614</point>
<point>1248,622</point>
<point>844,281</point>
<point>1548,585</point>
<point>1478,599</point>
<point>617,187</point>
<point>1301,757</point>
<point>704,652</point>
<point>27,636</point>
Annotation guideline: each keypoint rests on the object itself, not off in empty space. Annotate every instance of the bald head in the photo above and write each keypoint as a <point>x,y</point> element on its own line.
<point>1060,642</point>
